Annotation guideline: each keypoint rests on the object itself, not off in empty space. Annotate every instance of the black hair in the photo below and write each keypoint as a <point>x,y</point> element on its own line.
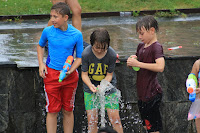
<point>106,129</point>
<point>100,36</point>
<point>147,22</point>
<point>61,8</point>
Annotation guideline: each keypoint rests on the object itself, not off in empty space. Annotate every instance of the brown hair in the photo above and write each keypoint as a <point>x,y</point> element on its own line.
<point>100,36</point>
<point>61,8</point>
<point>147,22</point>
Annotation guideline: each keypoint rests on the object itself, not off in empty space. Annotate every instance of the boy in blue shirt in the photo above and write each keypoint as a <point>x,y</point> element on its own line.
<point>62,39</point>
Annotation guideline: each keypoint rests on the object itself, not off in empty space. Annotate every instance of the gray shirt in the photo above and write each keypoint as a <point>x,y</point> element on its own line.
<point>98,68</point>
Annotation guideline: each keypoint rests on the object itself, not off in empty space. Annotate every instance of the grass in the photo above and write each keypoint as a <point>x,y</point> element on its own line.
<point>26,7</point>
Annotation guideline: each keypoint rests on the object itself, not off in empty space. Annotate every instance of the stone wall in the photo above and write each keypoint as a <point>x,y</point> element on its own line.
<point>22,108</point>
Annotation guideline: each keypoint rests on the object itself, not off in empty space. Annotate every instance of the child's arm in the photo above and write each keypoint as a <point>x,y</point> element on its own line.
<point>42,66</point>
<point>74,66</point>
<point>86,80</point>
<point>156,67</point>
<point>56,1</point>
<point>109,76</point>
<point>198,90</point>
<point>195,70</point>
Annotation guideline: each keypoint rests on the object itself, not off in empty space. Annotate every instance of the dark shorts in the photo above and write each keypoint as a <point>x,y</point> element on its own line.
<point>150,113</point>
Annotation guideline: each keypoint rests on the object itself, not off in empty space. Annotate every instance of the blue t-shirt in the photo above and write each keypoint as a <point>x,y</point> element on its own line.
<point>61,44</point>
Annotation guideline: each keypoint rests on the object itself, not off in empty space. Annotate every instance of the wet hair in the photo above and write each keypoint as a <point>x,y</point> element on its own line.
<point>61,8</point>
<point>106,129</point>
<point>100,36</point>
<point>147,22</point>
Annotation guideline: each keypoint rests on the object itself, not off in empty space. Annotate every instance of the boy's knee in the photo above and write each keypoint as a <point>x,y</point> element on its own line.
<point>92,123</point>
<point>115,120</point>
<point>52,114</point>
<point>67,113</point>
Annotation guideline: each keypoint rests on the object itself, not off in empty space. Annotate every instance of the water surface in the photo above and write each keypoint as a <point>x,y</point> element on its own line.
<point>19,39</point>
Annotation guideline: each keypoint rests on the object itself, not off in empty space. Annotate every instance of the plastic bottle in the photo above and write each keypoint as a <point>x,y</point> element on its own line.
<point>135,68</point>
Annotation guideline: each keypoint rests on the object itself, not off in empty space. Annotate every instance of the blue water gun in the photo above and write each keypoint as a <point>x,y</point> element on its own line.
<point>66,68</point>
<point>191,85</point>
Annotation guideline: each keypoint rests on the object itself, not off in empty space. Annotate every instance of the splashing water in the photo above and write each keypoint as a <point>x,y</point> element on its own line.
<point>101,93</point>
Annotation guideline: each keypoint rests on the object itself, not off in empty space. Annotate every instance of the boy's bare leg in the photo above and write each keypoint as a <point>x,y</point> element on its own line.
<point>114,118</point>
<point>76,13</point>
<point>51,122</point>
<point>197,121</point>
<point>92,116</point>
<point>56,1</point>
<point>68,121</point>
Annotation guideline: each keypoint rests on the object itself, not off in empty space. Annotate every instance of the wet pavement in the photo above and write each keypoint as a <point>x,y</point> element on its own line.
<point>19,39</point>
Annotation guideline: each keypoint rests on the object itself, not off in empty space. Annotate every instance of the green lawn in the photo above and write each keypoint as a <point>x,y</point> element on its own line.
<point>24,7</point>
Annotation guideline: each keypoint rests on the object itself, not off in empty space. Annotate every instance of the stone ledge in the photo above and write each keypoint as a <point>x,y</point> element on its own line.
<point>121,59</point>
<point>100,14</point>
<point>7,64</point>
<point>124,58</point>
<point>4,112</point>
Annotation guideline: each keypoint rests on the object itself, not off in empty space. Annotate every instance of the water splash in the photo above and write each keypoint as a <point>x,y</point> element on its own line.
<point>101,93</point>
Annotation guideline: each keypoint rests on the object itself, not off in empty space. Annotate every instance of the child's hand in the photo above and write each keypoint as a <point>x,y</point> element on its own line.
<point>68,73</point>
<point>42,70</point>
<point>98,86</point>
<point>198,90</point>
<point>133,56</point>
<point>131,61</point>
<point>93,88</point>
<point>130,67</point>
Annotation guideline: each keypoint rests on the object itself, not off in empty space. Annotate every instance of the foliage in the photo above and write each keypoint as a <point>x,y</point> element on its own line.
<point>26,7</point>
<point>171,13</point>
<point>136,13</point>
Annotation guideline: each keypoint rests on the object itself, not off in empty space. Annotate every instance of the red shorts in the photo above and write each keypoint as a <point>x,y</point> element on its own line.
<point>60,95</point>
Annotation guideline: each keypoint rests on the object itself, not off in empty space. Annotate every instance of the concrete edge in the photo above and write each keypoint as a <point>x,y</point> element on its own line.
<point>123,59</point>
<point>101,14</point>
<point>5,64</point>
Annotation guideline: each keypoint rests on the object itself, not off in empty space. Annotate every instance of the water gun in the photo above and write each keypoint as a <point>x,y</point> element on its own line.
<point>117,60</point>
<point>173,48</point>
<point>191,85</point>
<point>66,68</point>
